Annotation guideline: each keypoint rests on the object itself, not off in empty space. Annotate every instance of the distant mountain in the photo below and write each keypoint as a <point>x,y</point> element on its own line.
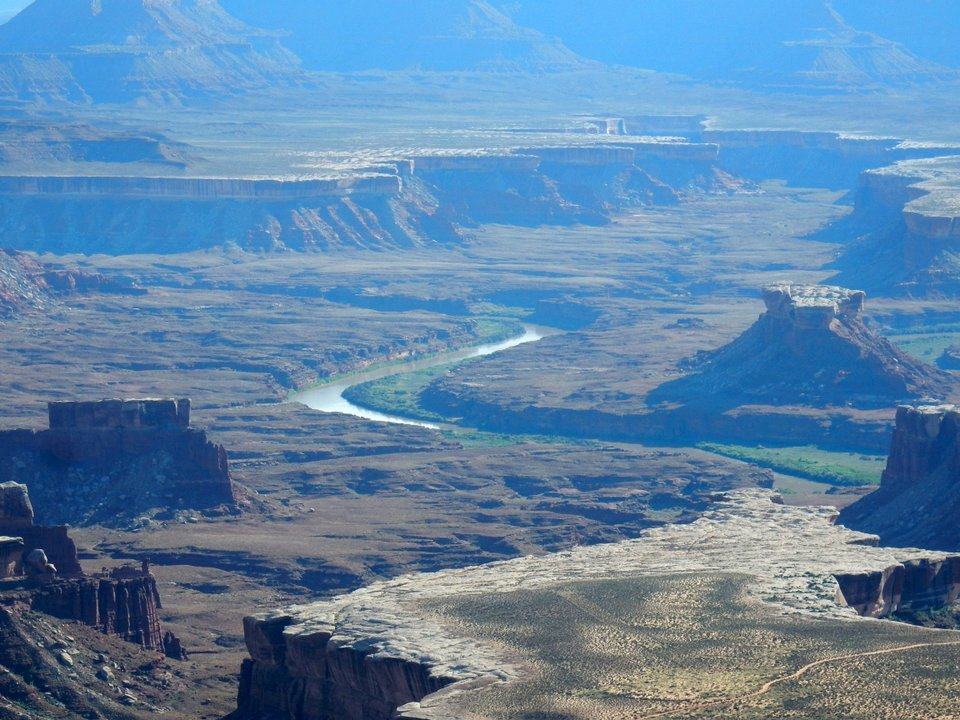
<point>930,28</point>
<point>442,35</point>
<point>120,50</point>
<point>787,42</point>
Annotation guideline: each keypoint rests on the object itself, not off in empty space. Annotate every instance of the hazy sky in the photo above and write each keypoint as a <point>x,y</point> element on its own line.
<point>9,8</point>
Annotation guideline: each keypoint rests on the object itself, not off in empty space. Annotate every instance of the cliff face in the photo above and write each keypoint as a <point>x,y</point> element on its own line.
<point>416,201</point>
<point>106,461</point>
<point>919,494</point>
<point>905,229</point>
<point>810,347</point>
<point>16,520</point>
<point>366,654</point>
<point>125,607</point>
<point>47,576</point>
<point>313,678</point>
<point>916,584</point>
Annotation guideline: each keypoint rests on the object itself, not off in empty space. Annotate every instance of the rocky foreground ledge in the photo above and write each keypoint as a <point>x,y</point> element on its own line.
<point>366,654</point>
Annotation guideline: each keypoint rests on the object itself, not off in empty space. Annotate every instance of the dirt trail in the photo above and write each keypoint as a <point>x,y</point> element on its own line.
<point>767,687</point>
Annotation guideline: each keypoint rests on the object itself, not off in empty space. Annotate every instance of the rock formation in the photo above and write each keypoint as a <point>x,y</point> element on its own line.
<point>904,234</point>
<point>25,283</point>
<point>108,460</point>
<point>53,542</point>
<point>124,602</point>
<point>919,495</point>
<point>11,556</point>
<point>419,200</point>
<point>112,51</point>
<point>810,347</point>
<point>365,654</point>
<point>425,198</point>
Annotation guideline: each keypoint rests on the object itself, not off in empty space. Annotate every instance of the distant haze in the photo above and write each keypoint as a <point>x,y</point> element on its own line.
<point>10,8</point>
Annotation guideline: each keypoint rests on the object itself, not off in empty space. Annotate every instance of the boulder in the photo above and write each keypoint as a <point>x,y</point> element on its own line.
<point>15,508</point>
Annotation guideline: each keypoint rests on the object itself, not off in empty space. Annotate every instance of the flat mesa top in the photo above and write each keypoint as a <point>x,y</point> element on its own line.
<point>793,554</point>
<point>819,300</point>
<point>813,295</point>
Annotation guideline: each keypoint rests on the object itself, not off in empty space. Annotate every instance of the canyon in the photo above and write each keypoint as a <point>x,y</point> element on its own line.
<point>396,646</point>
<point>743,270</point>
<point>426,199</point>
<point>808,358</point>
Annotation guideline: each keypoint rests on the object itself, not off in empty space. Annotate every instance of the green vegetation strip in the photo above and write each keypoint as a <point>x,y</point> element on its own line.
<point>399,394</point>
<point>812,463</point>
<point>489,331</point>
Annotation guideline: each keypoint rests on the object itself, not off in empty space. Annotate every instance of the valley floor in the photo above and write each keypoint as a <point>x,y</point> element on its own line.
<point>335,502</point>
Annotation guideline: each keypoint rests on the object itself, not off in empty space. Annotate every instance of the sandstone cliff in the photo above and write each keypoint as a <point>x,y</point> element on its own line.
<point>919,495</point>
<point>362,655</point>
<point>419,200</point>
<point>47,576</point>
<point>17,520</point>
<point>810,347</point>
<point>123,604</point>
<point>107,461</point>
<point>905,230</point>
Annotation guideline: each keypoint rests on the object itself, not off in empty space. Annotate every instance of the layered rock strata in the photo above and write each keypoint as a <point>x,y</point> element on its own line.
<point>117,457</point>
<point>424,199</point>
<point>810,347</point>
<point>365,654</point>
<point>43,570</point>
<point>905,230</point>
<point>27,284</point>
<point>919,495</point>
<point>123,604</point>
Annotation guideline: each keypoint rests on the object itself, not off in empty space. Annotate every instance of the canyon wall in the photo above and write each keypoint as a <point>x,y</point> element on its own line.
<point>915,584</point>
<point>127,607</point>
<point>428,198</point>
<point>17,520</point>
<point>414,201</point>
<point>919,494</point>
<point>397,646</point>
<point>46,576</point>
<point>906,229</point>
<point>314,678</point>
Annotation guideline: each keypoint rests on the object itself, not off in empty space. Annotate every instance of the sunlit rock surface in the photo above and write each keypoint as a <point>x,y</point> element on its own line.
<point>810,346</point>
<point>386,645</point>
<point>905,230</point>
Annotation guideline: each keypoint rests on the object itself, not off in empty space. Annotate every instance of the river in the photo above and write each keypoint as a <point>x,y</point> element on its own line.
<point>329,397</point>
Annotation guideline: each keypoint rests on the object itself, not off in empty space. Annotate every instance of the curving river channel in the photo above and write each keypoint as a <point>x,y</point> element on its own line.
<point>329,397</point>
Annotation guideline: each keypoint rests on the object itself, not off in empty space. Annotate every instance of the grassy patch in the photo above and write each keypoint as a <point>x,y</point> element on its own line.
<point>926,347</point>
<point>812,463</point>
<point>481,438</point>
<point>399,394</point>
